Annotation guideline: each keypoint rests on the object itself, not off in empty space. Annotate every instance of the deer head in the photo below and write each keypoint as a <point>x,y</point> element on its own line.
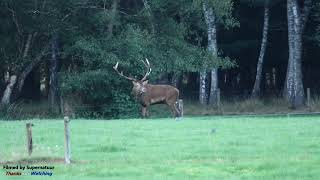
<point>138,85</point>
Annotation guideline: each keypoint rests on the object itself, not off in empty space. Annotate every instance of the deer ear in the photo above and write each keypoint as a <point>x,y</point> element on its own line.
<point>145,82</point>
<point>134,83</point>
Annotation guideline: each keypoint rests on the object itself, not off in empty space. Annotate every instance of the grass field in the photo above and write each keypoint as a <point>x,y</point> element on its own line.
<point>194,148</point>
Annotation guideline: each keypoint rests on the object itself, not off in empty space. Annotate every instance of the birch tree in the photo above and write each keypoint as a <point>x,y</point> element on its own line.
<point>297,17</point>
<point>113,14</point>
<point>212,47</point>
<point>150,15</point>
<point>215,12</point>
<point>24,53</point>
<point>53,91</point>
<point>257,83</point>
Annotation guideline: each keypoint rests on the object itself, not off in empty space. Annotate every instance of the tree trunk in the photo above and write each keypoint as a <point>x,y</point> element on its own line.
<point>257,83</point>
<point>294,91</point>
<point>112,17</point>
<point>175,80</point>
<point>53,90</point>
<point>13,78</point>
<point>27,46</point>
<point>26,71</point>
<point>8,91</point>
<point>203,88</point>
<point>146,5</point>
<point>213,87</point>
<point>212,47</point>
<point>307,4</point>
<point>289,87</point>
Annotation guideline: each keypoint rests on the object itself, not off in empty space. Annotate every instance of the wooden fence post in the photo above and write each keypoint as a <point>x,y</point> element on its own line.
<point>67,150</point>
<point>29,137</point>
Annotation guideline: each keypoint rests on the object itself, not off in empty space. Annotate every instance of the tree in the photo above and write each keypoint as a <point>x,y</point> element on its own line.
<point>214,12</point>
<point>21,48</point>
<point>158,30</point>
<point>267,5</point>
<point>256,88</point>
<point>150,15</point>
<point>210,19</point>
<point>93,36</point>
<point>31,25</point>
<point>112,17</point>
<point>53,90</point>
<point>297,17</point>
<point>317,17</point>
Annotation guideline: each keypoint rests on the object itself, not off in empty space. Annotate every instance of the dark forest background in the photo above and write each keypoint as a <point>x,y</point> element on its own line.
<point>57,56</point>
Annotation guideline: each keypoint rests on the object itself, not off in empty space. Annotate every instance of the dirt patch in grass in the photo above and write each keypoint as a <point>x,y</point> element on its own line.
<point>109,149</point>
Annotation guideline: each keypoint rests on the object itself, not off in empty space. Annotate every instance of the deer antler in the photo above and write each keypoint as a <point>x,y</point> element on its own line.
<point>147,64</point>
<point>115,67</point>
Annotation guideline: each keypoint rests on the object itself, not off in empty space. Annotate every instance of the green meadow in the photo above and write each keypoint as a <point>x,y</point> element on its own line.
<point>192,148</point>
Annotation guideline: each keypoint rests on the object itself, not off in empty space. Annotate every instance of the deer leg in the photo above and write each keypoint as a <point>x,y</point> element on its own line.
<point>177,108</point>
<point>174,109</point>
<point>147,111</point>
<point>177,111</point>
<point>144,111</point>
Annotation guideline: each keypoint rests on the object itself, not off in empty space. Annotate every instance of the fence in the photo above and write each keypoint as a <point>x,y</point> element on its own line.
<point>37,151</point>
<point>50,140</point>
<point>38,141</point>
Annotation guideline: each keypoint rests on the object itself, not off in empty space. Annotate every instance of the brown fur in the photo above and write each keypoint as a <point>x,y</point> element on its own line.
<point>148,94</point>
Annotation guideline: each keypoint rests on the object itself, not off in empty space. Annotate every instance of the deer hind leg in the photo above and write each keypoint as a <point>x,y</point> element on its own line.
<point>178,108</point>
<point>143,111</point>
<point>147,111</point>
<point>174,109</point>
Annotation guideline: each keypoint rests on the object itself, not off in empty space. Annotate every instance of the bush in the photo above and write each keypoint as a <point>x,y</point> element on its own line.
<point>123,106</point>
<point>101,96</point>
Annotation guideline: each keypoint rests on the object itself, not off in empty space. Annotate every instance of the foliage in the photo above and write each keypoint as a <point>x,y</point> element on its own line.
<point>88,49</point>
<point>99,97</point>
<point>89,53</point>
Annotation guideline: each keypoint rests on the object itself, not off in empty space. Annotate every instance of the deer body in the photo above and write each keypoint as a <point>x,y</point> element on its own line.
<point>157,94</point>
<point>148,94</point>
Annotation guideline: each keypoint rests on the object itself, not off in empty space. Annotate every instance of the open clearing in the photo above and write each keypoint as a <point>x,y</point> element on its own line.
<point>194,148</point>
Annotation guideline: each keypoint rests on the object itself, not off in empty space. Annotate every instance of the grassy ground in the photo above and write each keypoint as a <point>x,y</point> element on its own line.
<point>194,148</point>
<point>231,105</point>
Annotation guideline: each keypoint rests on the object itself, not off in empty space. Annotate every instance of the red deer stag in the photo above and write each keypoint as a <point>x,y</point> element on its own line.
<point>148,94</point>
